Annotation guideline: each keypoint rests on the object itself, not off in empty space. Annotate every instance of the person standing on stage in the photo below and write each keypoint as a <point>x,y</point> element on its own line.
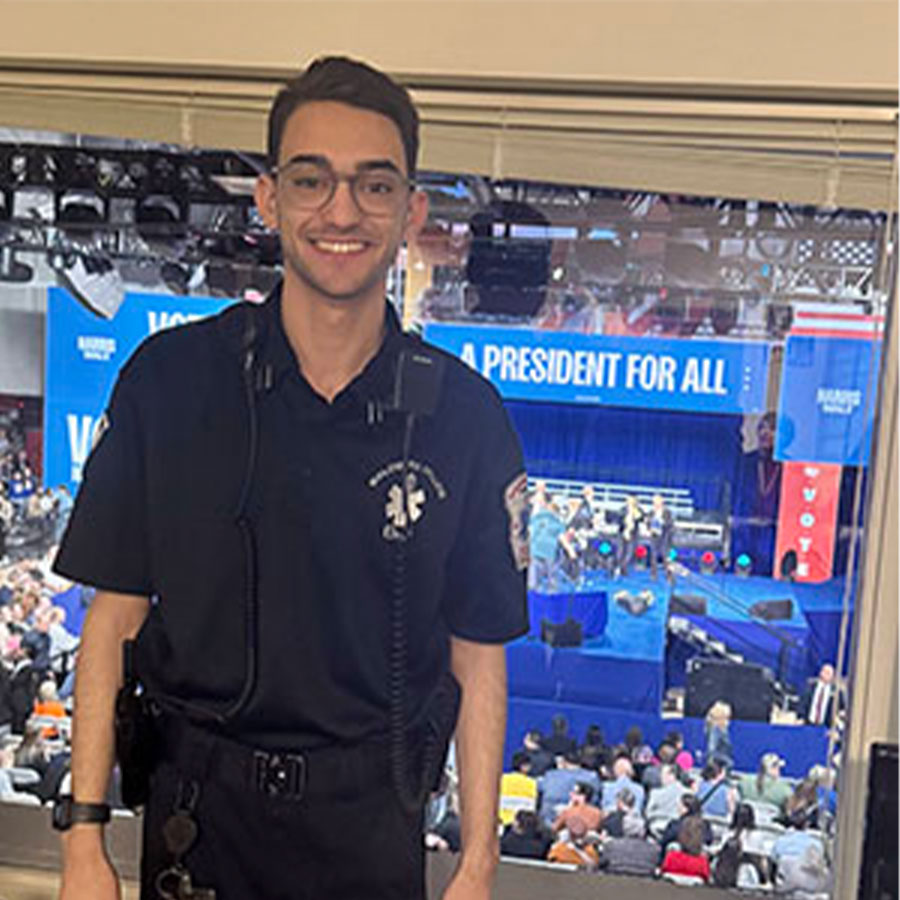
<point>314,529</point>
<point>631,521</point>
<point>661,526</point>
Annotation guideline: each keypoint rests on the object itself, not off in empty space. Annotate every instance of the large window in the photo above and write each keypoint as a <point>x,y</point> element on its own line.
<point>694,379</point>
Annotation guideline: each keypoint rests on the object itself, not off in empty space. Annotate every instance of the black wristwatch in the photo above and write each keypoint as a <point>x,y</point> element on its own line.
<point>66,813</point>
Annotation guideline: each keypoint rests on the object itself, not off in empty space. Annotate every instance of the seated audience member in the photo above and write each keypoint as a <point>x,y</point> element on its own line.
<point>690,858</point>
<point>62,643</point>
<point>713,792</point>
<point>767,786</point>
<point>690,806</point>
<point>9,793</point>
<point>576,848</point>
<point>623,777</point>
<point>630,854</point>
<point>23,689</point>
<point>445,833</point>
<point>791,848</point>
<point>625,818</point>
<point>801,810</point>
<point>518,790</point>
<point>525,838</point>
<point>555,786</point>
<point>635,743</point>
<point>650,777</point>
<point>36,641</point>
<point>741,848</point>
<point>580,809</point>
<point>664,802</point>
<point>541,760</point>
<point>559,742</point>
<point>808,874</point>
<point>684,759</point>
<point>48,704</point>
<point>593,737</point>
<point>718,738</point>
<point>823,778</point>
<point>32,751</point>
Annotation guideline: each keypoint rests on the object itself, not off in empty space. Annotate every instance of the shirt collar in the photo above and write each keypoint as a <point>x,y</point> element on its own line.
<point>375,381</point>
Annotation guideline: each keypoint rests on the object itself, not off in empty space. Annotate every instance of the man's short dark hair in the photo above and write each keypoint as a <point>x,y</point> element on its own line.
<point>520,758</point>
<point>586,790</point>
<point>352,82</point>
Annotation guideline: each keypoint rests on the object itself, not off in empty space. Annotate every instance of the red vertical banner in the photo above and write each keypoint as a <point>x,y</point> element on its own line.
<point>807,518</point>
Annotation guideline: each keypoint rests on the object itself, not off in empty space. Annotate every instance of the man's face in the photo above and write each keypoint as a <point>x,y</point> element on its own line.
<point>826,673</point>
<point>339,251</point>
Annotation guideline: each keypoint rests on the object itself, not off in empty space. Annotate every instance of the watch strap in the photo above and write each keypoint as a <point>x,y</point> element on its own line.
<point>67,812</point>
<point>89,812</point>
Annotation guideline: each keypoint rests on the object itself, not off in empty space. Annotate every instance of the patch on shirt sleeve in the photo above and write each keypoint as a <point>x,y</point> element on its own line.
<point>516,499</point>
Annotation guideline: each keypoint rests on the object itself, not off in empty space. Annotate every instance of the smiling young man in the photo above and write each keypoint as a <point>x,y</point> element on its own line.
<point>328,517</point>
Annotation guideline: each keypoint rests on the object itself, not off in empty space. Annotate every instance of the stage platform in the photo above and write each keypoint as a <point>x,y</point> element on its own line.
<point>627,661</point>
<point>622,665</point>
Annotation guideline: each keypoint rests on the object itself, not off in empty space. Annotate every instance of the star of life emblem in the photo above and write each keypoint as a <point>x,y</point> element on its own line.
<point>403,509</point>
<point>399,514</point>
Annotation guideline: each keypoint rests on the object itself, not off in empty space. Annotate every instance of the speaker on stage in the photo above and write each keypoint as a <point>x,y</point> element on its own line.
<point>636,604</point>
<point>773,610</point>
<point>687,605</point>
<point>562,634</point>
<point>747,687</point>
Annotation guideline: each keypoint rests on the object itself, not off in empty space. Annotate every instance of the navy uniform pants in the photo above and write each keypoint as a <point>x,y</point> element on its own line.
<point>270,828</point>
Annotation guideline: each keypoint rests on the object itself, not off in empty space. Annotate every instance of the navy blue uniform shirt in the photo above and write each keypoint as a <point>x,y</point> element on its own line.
<point>155,515</point>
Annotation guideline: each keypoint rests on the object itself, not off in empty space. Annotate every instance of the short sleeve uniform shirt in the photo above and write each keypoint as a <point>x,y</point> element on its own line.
<point>171,508</point>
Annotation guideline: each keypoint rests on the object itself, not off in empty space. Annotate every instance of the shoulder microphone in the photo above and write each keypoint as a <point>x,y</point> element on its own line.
<point>417,387</point>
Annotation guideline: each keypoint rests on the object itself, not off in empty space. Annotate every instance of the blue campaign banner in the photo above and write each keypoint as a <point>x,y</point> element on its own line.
<point>83,355</point>
<point>611,370</point>
<point>826,406</point>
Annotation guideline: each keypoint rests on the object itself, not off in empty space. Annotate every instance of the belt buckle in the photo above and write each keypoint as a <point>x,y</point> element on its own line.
<point>279,774</point>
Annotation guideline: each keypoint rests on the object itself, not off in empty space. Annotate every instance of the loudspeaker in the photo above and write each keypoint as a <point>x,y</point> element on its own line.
<point>773,610</point>
<point>687,605</point>
<point>746,687</point>
<point>563,634</point>
<point>636,604</point>
<point>878,873</point>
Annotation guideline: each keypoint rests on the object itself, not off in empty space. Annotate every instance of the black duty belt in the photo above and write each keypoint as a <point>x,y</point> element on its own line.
<point>318,773</point>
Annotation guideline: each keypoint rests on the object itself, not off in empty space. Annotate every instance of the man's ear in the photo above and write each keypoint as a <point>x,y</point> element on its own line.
<point>264,195</point>
<point>418,213</point>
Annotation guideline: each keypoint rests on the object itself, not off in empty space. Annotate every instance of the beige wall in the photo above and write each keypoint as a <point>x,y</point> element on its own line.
<point>798,45</point>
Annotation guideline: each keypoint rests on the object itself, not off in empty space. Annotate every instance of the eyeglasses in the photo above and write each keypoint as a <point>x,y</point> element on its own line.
<point>309,186</point>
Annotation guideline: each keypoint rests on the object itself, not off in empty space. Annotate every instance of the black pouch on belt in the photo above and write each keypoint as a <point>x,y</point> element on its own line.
<point>136,738</point>
<point>443,711</point>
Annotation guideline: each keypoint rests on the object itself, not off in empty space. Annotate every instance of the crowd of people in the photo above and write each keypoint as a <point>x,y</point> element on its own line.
<point>633,809</point>
<point>37,660</point>
<point>32,517</point>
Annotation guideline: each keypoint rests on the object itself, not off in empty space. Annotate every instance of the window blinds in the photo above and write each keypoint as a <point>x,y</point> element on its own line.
<point>839,154</point>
